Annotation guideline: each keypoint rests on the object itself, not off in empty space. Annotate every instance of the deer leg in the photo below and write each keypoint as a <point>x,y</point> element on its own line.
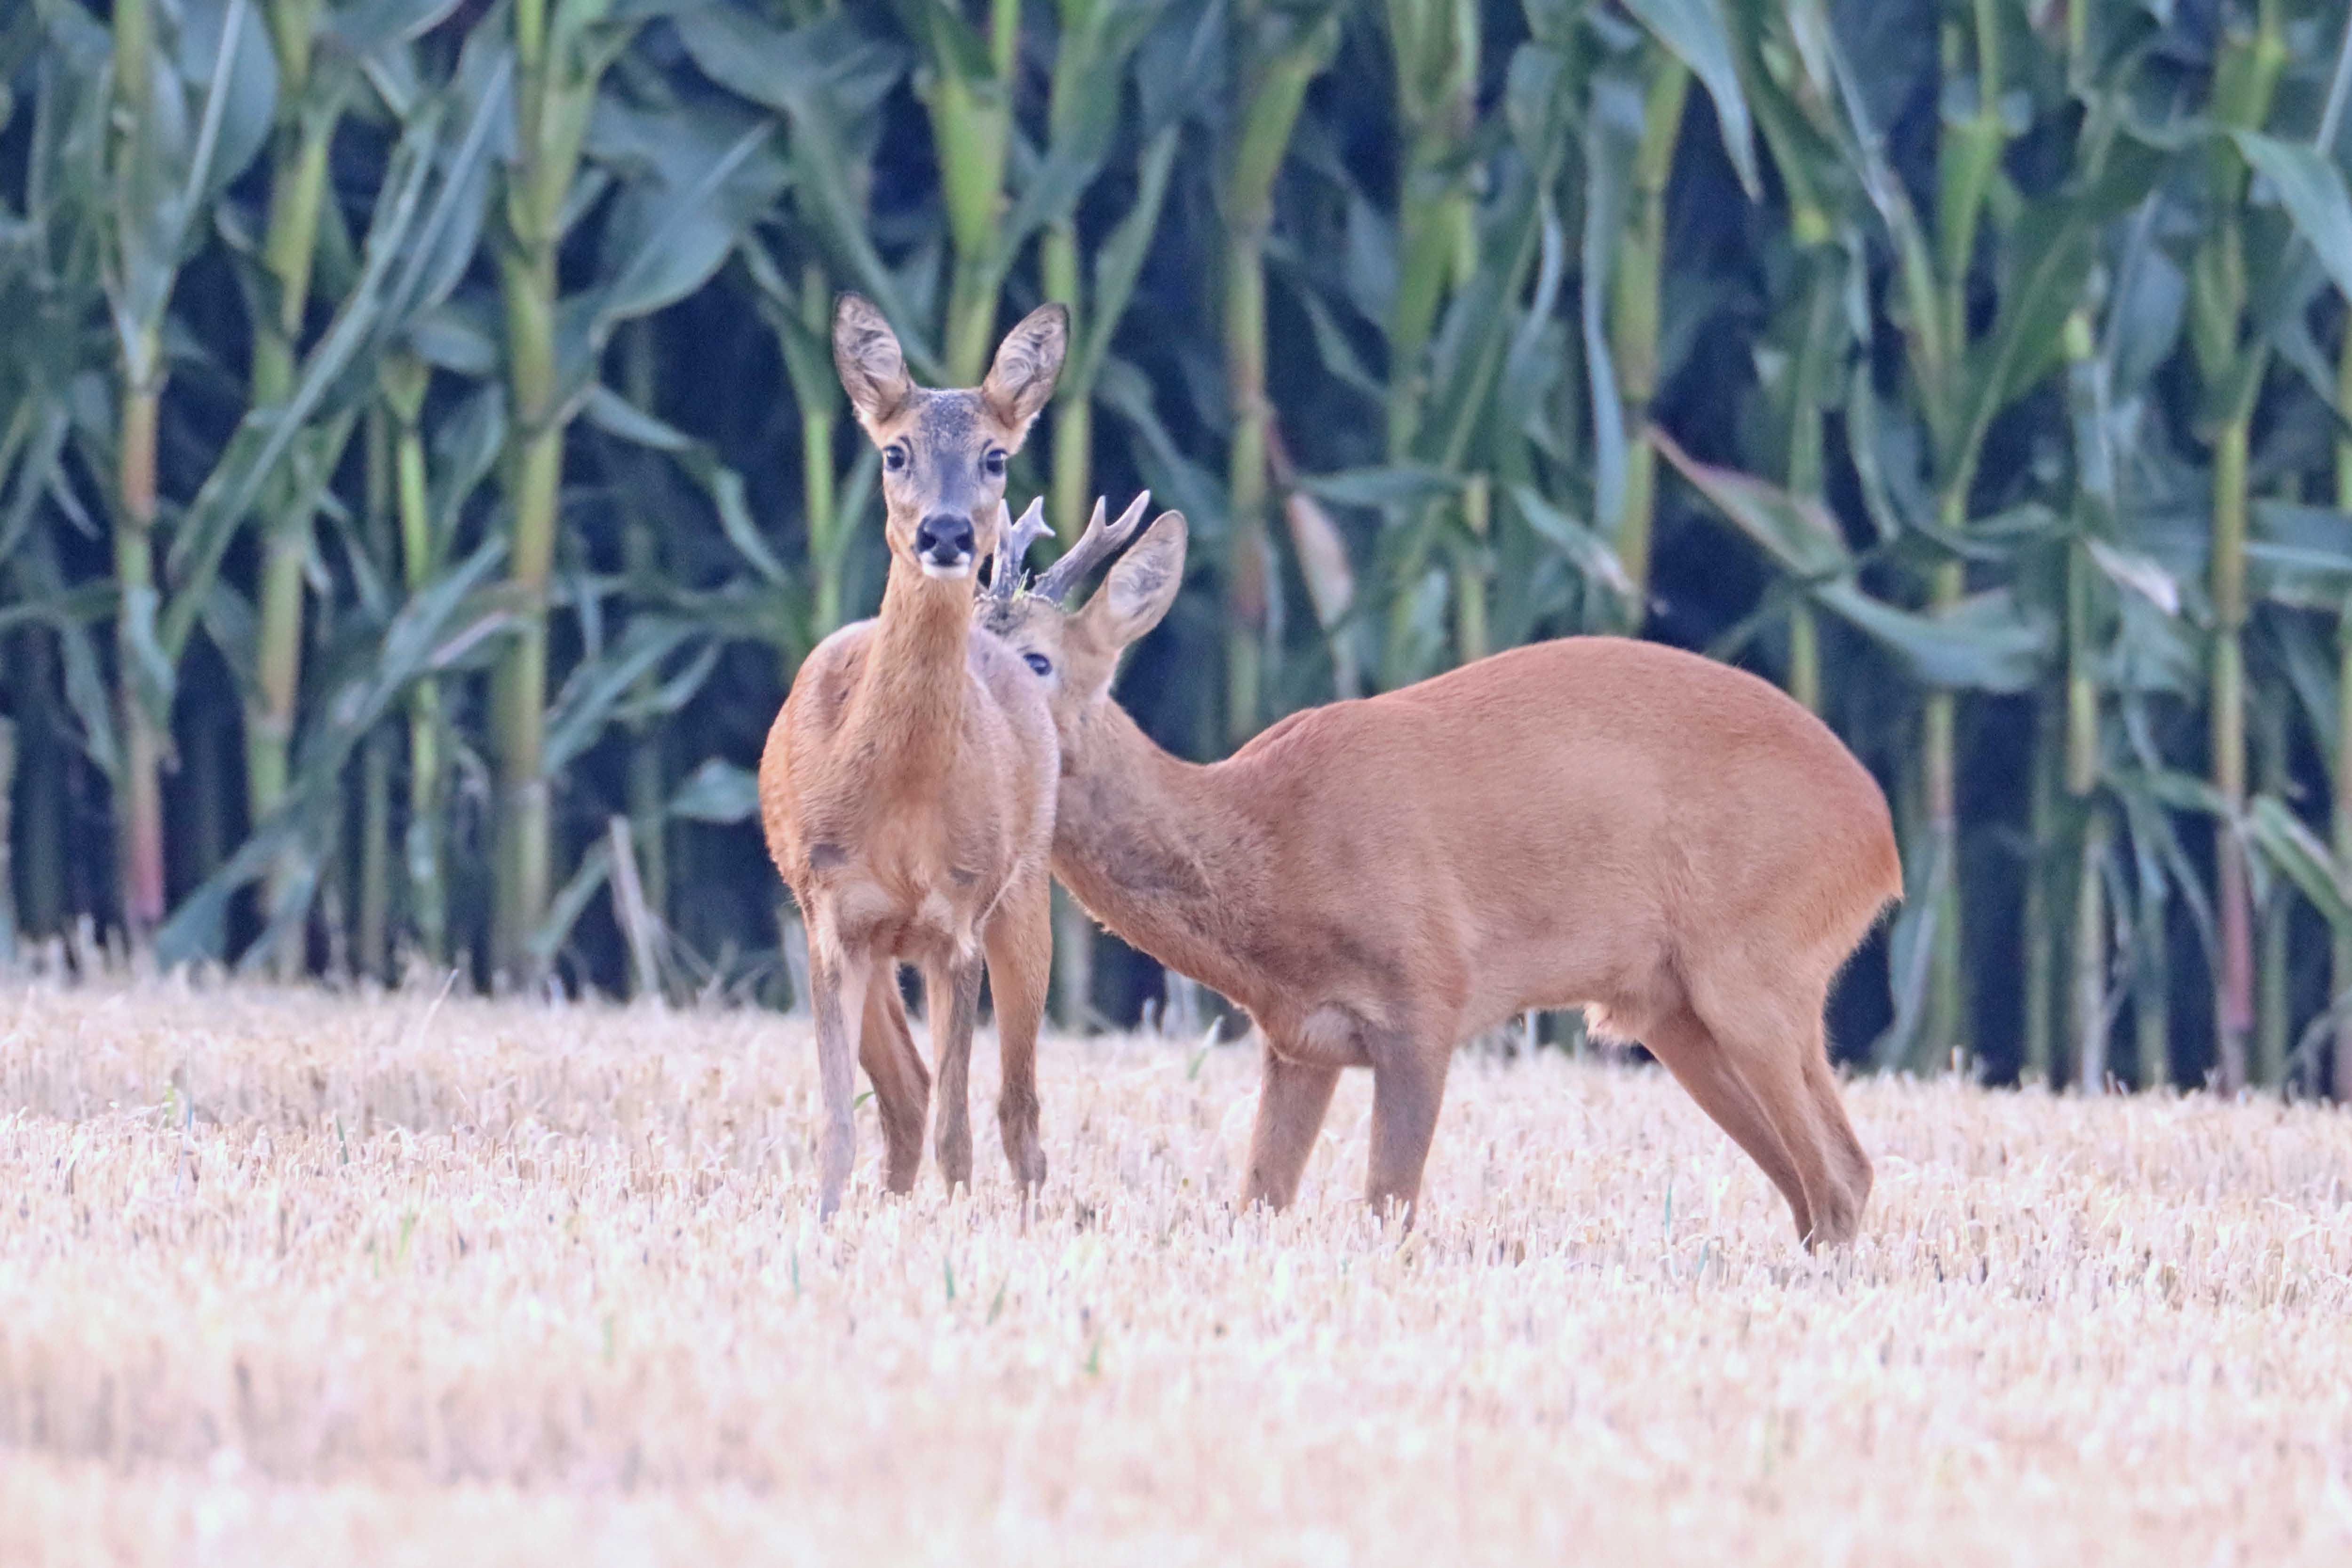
<point>902,1085</point>
<point>1020,942</point>
<point>1776,1073</point>
<point>1715,1075</point>
<point>838,981</point>
<point>1290,1108</point>
<point>1699,1065</point>
<point>951,996</point>
<point>1848,1159</point>
<point>1408,1088</point>
<point>1771,1036</point>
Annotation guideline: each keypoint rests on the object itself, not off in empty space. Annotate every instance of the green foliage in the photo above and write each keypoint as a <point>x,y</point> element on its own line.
<point>431,402</point>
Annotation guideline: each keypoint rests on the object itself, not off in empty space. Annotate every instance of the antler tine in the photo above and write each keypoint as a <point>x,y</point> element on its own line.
<point>1013,541</point>
<point>1098,544</point>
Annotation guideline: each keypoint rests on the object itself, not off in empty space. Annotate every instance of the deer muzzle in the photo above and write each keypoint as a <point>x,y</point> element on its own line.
<point>943,545</point>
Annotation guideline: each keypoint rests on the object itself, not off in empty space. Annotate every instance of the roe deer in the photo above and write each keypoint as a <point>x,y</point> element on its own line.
<point>907,787</point>
<point>1672,843</point>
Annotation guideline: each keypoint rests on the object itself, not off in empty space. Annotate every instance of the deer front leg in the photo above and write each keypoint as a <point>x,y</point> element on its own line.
<point>1291,1104</point>
<point>951,998</point>
<point>838,982</point>
<point>1408,1088</point>
<point>1020,942</point>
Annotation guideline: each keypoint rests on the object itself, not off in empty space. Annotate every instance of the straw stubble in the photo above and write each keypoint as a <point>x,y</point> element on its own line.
<point>288,1275</point>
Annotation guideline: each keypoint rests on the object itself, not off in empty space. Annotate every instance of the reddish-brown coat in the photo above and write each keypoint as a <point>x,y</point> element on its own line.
<point>907,787</point>
<point>1667,841</point>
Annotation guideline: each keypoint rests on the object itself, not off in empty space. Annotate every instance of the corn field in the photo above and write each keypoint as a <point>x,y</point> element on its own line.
<point>421,469</point>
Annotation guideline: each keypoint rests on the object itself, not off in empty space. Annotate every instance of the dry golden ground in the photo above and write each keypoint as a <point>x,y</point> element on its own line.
<point>286,1278</point>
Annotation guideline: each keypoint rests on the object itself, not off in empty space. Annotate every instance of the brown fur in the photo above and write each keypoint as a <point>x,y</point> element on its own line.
<point>1668,841</point>
<point>908,785</point>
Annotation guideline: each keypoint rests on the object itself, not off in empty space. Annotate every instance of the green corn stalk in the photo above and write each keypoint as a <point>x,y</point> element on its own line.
<point>556,88</point>
<point>2340,975</point>
<point>139,805</point>
<point>297,180</point>
<point>1965,165</point>
<point>2246,79</point>
<point>648,789</point>
<point>2089,1010</point>
<point>7,841</point>
<point>820,414</point>
<point>404,384</point>
<point>2041,936</point>
<point>2079,746</point>
<point>1080,59</point>
<point>1088,51</point>
<point>1472,638</point>
<point>1074,415</point>
<point>371,929</point>
<point>2267,1067</point>
<point>1634,303</point>
<point>2340,969</point>
<point>2151,1000</point>
<point>802,325</point>
<point>1436,47</point>
<point>2226,715</point>
<point>45,809</point>
<point>1072,481</point>
<point>800,315</point>
<point>1276,90</point>
<point>1823,336</point>
<point>970,100</point>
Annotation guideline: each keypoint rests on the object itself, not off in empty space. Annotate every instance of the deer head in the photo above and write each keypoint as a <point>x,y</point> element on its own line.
<point>944,453</point>
<point>1076,652</point>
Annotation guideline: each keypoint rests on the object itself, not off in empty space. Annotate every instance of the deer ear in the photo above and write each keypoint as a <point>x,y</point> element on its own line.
<point>866,355</point>
<point>1027,364</point>
<point>1144,582</point>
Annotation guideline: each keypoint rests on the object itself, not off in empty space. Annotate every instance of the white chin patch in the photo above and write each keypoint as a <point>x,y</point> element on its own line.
<point>946,574</point>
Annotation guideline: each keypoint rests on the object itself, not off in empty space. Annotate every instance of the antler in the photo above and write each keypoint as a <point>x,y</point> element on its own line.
<point>1098,544</point>
<point>1013,541</point>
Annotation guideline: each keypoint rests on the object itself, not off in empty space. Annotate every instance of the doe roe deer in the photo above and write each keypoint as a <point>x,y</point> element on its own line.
<point>907,787</point>
<point>1669,842</point>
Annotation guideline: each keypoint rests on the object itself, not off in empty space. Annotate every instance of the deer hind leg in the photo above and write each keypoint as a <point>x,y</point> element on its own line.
<point>1849,1162</point>
<point>837,985</point>
<point>1290,1108</point>
<point>1766,1035</point>
<point>902,1085</point>
<point>1020,944</point>
<point>951,996</point>
<point>1702,1068</point>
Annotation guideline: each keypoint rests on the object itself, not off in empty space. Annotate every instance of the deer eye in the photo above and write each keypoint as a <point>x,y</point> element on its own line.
<point>1040,663</point>
<point>995,462</point>
<point>894,458</point>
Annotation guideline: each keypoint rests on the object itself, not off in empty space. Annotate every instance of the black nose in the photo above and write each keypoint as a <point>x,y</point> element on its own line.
<point>943,538</point>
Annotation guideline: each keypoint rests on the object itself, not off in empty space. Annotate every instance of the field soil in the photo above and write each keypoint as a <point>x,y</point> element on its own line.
<point>288,1277</point>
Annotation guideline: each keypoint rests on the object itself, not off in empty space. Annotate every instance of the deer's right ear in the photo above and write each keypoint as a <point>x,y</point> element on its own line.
<point>1145,582</point>
<point>865,355</point>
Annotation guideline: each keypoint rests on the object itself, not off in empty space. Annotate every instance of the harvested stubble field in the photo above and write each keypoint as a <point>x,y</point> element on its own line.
<point>288,1278</point>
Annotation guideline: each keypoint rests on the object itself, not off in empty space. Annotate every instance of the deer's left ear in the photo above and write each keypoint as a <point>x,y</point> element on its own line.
<point>1143,584</point>
<point>1028,363</point>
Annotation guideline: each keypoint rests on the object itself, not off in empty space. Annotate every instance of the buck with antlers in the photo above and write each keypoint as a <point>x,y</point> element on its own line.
<point>1669,842</point>
<point>908,785</point>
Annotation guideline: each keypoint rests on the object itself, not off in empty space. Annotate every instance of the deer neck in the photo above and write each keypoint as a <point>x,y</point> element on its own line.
<point>912,692</point>
<point>1158,850</point>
